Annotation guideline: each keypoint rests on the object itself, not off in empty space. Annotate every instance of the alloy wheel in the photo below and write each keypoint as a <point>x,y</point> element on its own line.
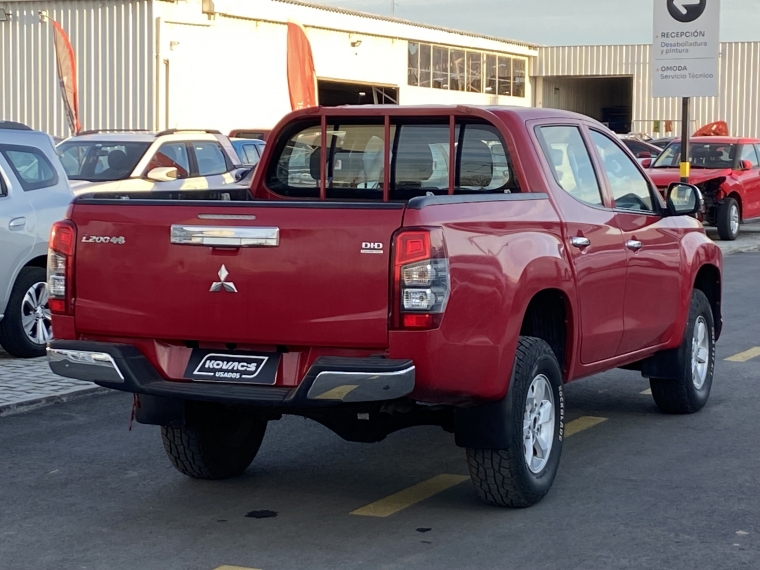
<point>35,314</point>
<point>538,424</point>
<point>700,353</point>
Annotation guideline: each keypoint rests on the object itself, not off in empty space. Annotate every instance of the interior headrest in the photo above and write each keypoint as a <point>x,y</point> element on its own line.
<point>117,160</point>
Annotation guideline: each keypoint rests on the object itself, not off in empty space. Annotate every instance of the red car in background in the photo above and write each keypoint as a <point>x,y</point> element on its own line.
<point>726,169</point>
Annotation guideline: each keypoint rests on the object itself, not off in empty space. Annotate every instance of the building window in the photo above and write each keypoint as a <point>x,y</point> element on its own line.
<point>425,57</point>
<point>518,87</point>
<point>505,76</point>
<point>457,65</point>
<point>440,67</point>
<point>473,71</point>
<point>491,74</point>
<point>414,64</point>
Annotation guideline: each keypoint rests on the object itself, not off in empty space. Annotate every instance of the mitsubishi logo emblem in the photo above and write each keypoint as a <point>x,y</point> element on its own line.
<point>223,284</point>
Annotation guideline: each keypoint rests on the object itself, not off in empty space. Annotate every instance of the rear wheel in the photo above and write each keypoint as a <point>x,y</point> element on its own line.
<point>216,442</point>
<point>26,328</point>
<point>522,474</point>
<point>689,393</point>
<point>728,219</point>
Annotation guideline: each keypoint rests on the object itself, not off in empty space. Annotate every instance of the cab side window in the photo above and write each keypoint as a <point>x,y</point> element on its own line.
<point>210,158</point>
<point>171,155</point>
<point>31,166</point>
<point>571,163</point>
<point>3,187</point>
<point>748,153</point>
<point>630,188</point>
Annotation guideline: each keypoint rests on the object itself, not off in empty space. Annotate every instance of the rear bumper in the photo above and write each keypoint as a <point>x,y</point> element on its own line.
<point>330,381</point>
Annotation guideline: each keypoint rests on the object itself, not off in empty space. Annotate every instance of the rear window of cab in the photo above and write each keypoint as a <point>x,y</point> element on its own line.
<point>419,160</point>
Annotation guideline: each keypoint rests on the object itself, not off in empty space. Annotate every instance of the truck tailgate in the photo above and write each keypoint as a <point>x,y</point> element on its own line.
<point>314,274</point>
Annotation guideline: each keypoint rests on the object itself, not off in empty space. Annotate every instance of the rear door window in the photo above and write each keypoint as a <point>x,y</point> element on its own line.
<point>31,166</point>
<point>571,163</point>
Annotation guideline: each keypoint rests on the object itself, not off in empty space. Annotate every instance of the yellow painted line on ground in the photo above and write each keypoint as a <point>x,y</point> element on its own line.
<point>647,392</point>
<point>408,497</point>
<point>745,356</point>
<point>584,422</point>
<point>421,491</point>
<point>225,567</point>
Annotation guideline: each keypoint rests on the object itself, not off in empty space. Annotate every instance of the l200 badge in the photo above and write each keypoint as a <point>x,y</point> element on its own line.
<point>116,240</point>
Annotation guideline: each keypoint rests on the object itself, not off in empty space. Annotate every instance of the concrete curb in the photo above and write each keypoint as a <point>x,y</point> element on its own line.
<point>741,249</point>
<point>35,403</point>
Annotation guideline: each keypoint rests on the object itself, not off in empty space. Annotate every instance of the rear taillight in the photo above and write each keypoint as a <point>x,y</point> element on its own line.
<point>421,283</point>
<point>60,267</point>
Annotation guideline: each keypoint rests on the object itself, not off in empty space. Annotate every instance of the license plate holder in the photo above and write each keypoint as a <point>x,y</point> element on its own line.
<point>234,367</point>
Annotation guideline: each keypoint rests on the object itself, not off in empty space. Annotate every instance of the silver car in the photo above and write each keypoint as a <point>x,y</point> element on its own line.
<point>34,193</point>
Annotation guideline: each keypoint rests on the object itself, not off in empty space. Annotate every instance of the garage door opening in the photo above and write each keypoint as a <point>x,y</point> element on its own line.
<point>609,100</point>
<point>335,93</point>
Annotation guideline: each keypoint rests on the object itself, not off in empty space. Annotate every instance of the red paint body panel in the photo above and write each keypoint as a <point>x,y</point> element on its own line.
<point>317,295</point>
<point>315,288</point>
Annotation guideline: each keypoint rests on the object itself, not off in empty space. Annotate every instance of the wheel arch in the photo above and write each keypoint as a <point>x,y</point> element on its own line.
<point>708,280</point>
<point>549,316</point>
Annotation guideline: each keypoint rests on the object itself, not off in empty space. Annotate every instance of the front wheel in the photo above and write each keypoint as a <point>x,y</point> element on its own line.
<point>522,474</point>
<point>728,219</point>
<point>216,442</point>
<point>689,392</point>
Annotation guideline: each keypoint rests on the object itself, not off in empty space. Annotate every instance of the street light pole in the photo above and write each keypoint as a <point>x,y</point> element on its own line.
<point>685,151</point>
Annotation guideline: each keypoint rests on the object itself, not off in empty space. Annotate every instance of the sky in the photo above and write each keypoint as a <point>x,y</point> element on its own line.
<point>556,22</point>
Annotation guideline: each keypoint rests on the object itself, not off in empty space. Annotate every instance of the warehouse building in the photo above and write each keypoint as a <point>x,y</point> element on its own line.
<point>154,64</point>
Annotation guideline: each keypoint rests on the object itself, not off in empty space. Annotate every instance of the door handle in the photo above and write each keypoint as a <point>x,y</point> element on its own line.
<point>17,224</point>
<point>634,245</point>
<point>580,242</point>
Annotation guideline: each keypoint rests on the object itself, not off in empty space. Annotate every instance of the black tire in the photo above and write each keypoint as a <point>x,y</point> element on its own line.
<point>502,476</point>
<point>216,443</point>
<point>728,208</point>
<point>13,338</point>
<point>683,395</point>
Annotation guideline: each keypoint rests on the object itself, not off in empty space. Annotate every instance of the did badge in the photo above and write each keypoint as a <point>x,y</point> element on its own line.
<point>235,367</point>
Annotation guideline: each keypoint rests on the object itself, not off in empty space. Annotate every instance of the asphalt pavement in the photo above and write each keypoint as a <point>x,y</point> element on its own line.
<point>636,489</point>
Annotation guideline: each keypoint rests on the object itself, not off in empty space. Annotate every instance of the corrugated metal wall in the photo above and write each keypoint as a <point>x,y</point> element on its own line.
<point>738,103</point>
<point>114,47</point>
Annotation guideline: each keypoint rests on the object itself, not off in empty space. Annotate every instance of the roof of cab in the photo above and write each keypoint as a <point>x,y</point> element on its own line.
<point>526,113</point>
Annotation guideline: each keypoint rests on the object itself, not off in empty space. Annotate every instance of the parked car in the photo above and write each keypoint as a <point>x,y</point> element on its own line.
<point>171,160</point>
<point>726,170</point>
<point>251,134</point>
<point>34,193</point>
<point>370,292</point>
<point>661,143</point>
<point>249,150</point>
<point>641,150</point>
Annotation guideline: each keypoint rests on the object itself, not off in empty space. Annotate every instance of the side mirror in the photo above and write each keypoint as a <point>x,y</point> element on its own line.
<point>645,154</point>
<point>684,199</point>
<point>646,163</point>
<point>746,165</point>
<point>163,174</point>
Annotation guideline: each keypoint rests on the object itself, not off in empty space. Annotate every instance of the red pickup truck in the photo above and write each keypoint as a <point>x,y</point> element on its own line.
<point>392,267</point>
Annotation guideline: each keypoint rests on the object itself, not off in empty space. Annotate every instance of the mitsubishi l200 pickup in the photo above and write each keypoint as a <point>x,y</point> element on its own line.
<point>393,267</point>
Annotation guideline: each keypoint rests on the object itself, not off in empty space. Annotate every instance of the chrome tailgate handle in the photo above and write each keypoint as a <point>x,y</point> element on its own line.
<point>225,236</point>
